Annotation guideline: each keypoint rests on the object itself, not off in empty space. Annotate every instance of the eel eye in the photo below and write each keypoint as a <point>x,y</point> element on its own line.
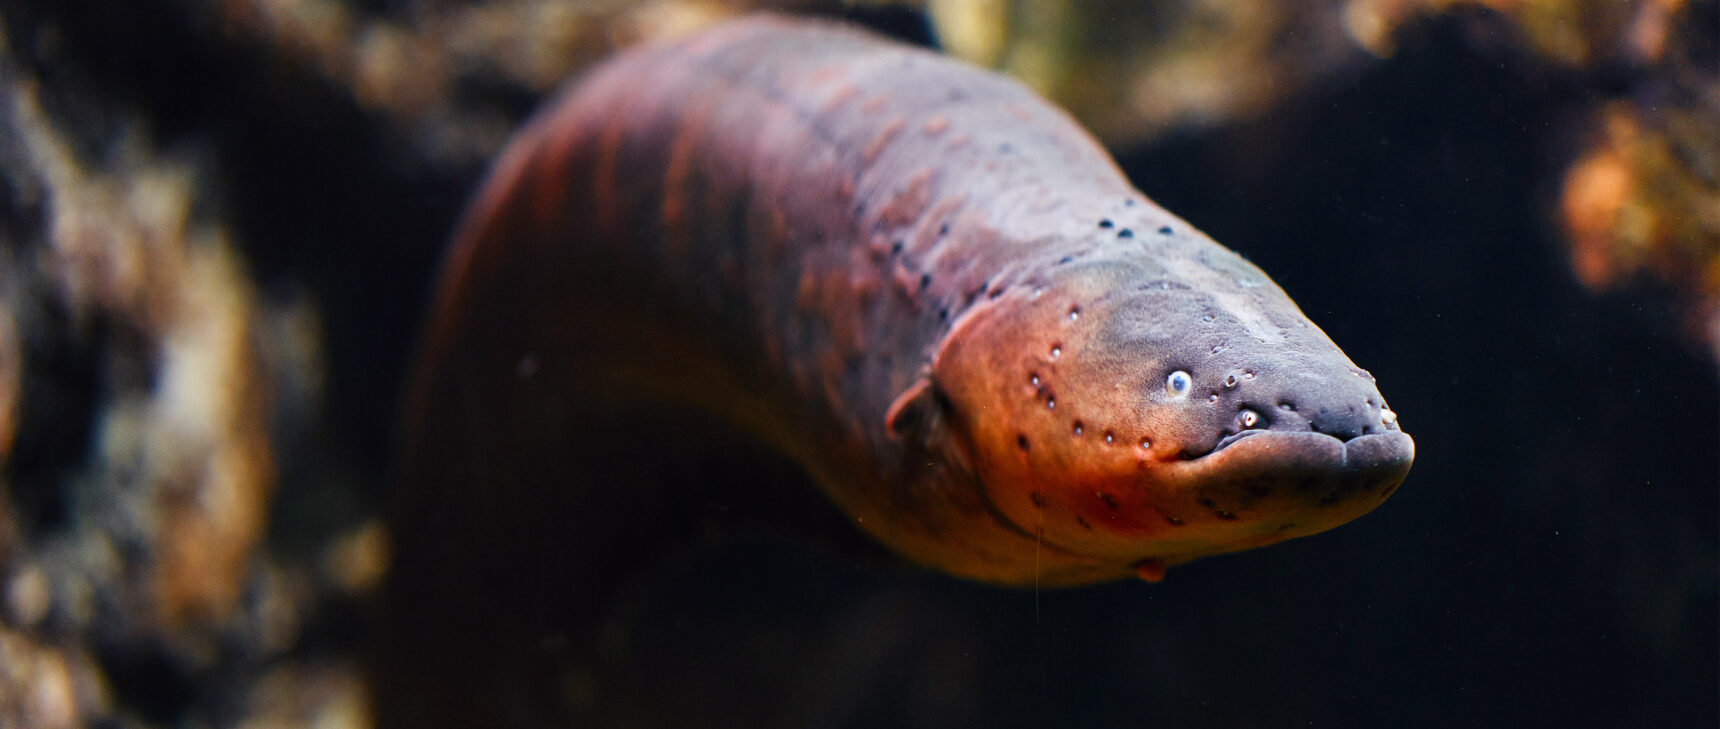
<point>1178,385</point>
<point>1249,419</point>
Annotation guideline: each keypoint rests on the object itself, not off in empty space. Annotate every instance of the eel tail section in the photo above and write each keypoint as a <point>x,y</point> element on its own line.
<point>912,280</point>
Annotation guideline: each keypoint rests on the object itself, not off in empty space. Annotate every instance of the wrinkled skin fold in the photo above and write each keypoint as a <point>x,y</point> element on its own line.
<point>913,280</point>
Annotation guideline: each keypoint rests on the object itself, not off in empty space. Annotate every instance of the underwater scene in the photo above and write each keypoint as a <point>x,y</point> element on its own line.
<point>859,363</point>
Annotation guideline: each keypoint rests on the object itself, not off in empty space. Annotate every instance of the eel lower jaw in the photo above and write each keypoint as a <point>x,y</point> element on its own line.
<point>1263,486</point>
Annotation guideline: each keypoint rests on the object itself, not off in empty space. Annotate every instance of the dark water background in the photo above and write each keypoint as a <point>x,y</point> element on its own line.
<point>1552,559</point>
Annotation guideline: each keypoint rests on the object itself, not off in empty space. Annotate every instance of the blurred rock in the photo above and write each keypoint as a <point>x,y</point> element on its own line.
<point>137,557</point>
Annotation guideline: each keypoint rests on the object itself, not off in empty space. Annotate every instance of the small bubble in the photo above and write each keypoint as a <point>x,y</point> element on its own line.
<point>1056,351</point>
<point>1250,418</point>
<point>1079,427</point>
<point>1075,313</point>
<point>1034,379</point>
<point>1110,437</point>
<point>1206,318</point>
<point>1230,381</point>
<point>1212,398</point>
<point>1051,403</point>
<point>1248,374</point>
<point>1146,444</point>
<point>1037,291</point>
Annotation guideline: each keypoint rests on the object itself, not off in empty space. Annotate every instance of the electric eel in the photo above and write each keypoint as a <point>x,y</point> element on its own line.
<point>912,279</point>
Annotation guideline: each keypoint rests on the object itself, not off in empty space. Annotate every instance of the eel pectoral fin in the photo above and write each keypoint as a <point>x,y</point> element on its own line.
<point>918,413</point>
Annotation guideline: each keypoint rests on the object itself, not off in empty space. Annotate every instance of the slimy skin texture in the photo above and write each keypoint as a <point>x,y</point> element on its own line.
<point>918,281</point>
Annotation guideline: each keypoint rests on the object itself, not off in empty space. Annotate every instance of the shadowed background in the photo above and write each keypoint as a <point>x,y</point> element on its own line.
<point>220,220</point>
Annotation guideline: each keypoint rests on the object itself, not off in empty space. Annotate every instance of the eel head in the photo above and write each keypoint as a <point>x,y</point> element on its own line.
<point>1130,415</point>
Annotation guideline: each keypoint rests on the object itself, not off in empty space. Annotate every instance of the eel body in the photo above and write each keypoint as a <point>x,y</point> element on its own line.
<point>914,279</point>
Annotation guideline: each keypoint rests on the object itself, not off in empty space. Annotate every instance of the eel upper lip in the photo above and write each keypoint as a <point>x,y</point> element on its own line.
<point>1265,450</point>
<point>1234,437</point>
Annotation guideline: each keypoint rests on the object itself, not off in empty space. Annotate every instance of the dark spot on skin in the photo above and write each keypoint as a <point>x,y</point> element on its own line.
<point>995,293</point>
<point>1225,515</point>
<point>1021,441</point>
<point>896,248</point>
<point>1005,148</point>
<point>1037,498</point>
<point>943,315</point>
<point>1208,503</point>
<point>1130,202</point>
<point>975,293</point>
<point>1106,223</point>
<point>957,95</point>
<point>925,281</point>
<point>1125,233</point>
<point>1065,259</point>
<point>1110,501</point>
<point>1166,230</point>
<point>1083,523</point>
<point>944,229</point>
<point>1174,521</point>
<point>1259,491</point>
<point>1079,428</point>
<point>859,209</point>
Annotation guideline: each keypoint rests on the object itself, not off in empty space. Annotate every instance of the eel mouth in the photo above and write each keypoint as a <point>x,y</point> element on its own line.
<point>1259,487</point>
<point>1278,456</point>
